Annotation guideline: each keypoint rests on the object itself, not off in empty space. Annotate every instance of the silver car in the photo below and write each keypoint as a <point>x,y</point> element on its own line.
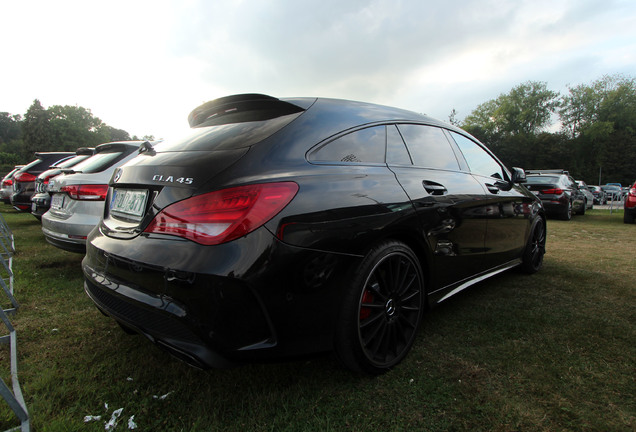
<point>589,196</point>
<point>78,194</point>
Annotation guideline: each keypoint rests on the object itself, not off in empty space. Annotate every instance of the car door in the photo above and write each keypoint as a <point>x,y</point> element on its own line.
<point>508,206</point>
<point>446,199</point>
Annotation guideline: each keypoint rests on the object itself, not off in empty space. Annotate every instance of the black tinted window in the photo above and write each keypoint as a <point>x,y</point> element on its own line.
<point>479,160</point>
<point>428,147</point>
<point>363,146</point>
<point>396,152</point>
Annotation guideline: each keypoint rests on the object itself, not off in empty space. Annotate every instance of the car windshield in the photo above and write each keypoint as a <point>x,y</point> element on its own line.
<point>542,179</point>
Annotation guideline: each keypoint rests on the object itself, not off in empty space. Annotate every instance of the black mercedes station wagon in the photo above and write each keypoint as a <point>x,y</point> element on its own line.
<point>283,227</point>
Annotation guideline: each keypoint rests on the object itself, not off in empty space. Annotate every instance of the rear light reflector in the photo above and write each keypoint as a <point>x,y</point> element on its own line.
<point>556,191</point>
<point>632,191</point>
<point>221,216</point>
<point>90,192</point>
<point>24,177</point>
<point>7,183</point>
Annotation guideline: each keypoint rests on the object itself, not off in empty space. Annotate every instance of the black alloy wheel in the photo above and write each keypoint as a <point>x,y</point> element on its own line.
<point>382,310</point>
<point>535,249</point>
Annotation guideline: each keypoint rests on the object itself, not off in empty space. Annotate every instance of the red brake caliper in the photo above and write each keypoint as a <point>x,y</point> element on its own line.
<point>365,312</point>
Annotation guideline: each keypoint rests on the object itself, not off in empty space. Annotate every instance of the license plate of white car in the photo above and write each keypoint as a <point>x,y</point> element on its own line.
<point>129,202</point>
<point>57,201</point>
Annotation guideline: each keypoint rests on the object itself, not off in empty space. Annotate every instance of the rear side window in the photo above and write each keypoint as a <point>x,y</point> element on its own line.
<point>365,146</point>
<point>428,147</point>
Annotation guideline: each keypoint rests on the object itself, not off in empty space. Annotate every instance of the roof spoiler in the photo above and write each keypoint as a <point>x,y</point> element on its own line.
<point>240,108</point>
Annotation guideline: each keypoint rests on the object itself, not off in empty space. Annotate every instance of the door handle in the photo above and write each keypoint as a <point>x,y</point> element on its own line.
<point>434,188</point>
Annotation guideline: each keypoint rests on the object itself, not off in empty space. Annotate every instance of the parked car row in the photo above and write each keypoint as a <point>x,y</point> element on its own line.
<point>283,227</point>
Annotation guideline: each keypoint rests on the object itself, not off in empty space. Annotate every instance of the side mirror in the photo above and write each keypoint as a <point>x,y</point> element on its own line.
<point>518,175</point>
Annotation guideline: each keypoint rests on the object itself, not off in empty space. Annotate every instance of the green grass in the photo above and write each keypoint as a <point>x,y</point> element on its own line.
<point>550,352</point>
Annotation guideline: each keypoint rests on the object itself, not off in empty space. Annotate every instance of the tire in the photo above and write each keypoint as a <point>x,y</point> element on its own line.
<point>583,208</point>
<point>381,310</point>
<point>628,217</point>
<point>567,213</point>
<point>532,259</point>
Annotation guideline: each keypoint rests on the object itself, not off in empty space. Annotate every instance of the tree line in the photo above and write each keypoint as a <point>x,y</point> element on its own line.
<point>57,128</point>
<point>589,131</point>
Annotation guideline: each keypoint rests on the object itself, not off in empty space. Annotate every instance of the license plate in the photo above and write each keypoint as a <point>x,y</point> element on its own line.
<point>129,202</point>
<point>57,201</point>
<point>33,207</point>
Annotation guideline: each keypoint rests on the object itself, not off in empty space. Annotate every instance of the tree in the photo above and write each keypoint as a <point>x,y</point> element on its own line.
<point>36,130</point>
<point>116,134</point>
<point>10,127</point>
<point>607,104</point>
<point>527,109</point>
<point>74,127</point>
<point>452,118</point>
<point>600,119</point>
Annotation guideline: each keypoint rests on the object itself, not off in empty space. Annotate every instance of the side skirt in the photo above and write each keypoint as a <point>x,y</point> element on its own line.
<point>472,281</point>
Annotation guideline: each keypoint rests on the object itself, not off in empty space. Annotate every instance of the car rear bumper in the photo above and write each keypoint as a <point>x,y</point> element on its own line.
<point>217,305</point>
<point>68,234</point>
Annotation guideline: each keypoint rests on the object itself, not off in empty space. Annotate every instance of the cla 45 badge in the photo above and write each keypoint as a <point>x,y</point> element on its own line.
<point>172,179</point>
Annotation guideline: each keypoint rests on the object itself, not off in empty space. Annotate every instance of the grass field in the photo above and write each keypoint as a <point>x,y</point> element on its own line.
<point>555,351</point>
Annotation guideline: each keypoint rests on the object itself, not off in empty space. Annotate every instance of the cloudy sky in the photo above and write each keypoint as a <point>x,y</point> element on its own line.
<point>142,66</point>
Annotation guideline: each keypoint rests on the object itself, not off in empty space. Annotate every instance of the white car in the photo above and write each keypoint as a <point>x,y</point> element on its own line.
<point>78,195</point>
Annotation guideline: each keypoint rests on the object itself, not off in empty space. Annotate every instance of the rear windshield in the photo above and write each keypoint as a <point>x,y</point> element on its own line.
<point>542,179</point>
<point>226,136</point>
<point>72,161</point>
<point>100,161</point>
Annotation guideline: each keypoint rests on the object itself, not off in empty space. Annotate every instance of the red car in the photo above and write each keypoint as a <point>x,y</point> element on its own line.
<point>630,205</point>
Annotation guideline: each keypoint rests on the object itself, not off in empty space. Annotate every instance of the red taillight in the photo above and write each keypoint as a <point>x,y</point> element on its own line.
<point>90,192</point>
<point>556,191</point>
<point>632,191</point>
<point>24,177</point>
<point>7,183</point>
<point>221,216</point>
